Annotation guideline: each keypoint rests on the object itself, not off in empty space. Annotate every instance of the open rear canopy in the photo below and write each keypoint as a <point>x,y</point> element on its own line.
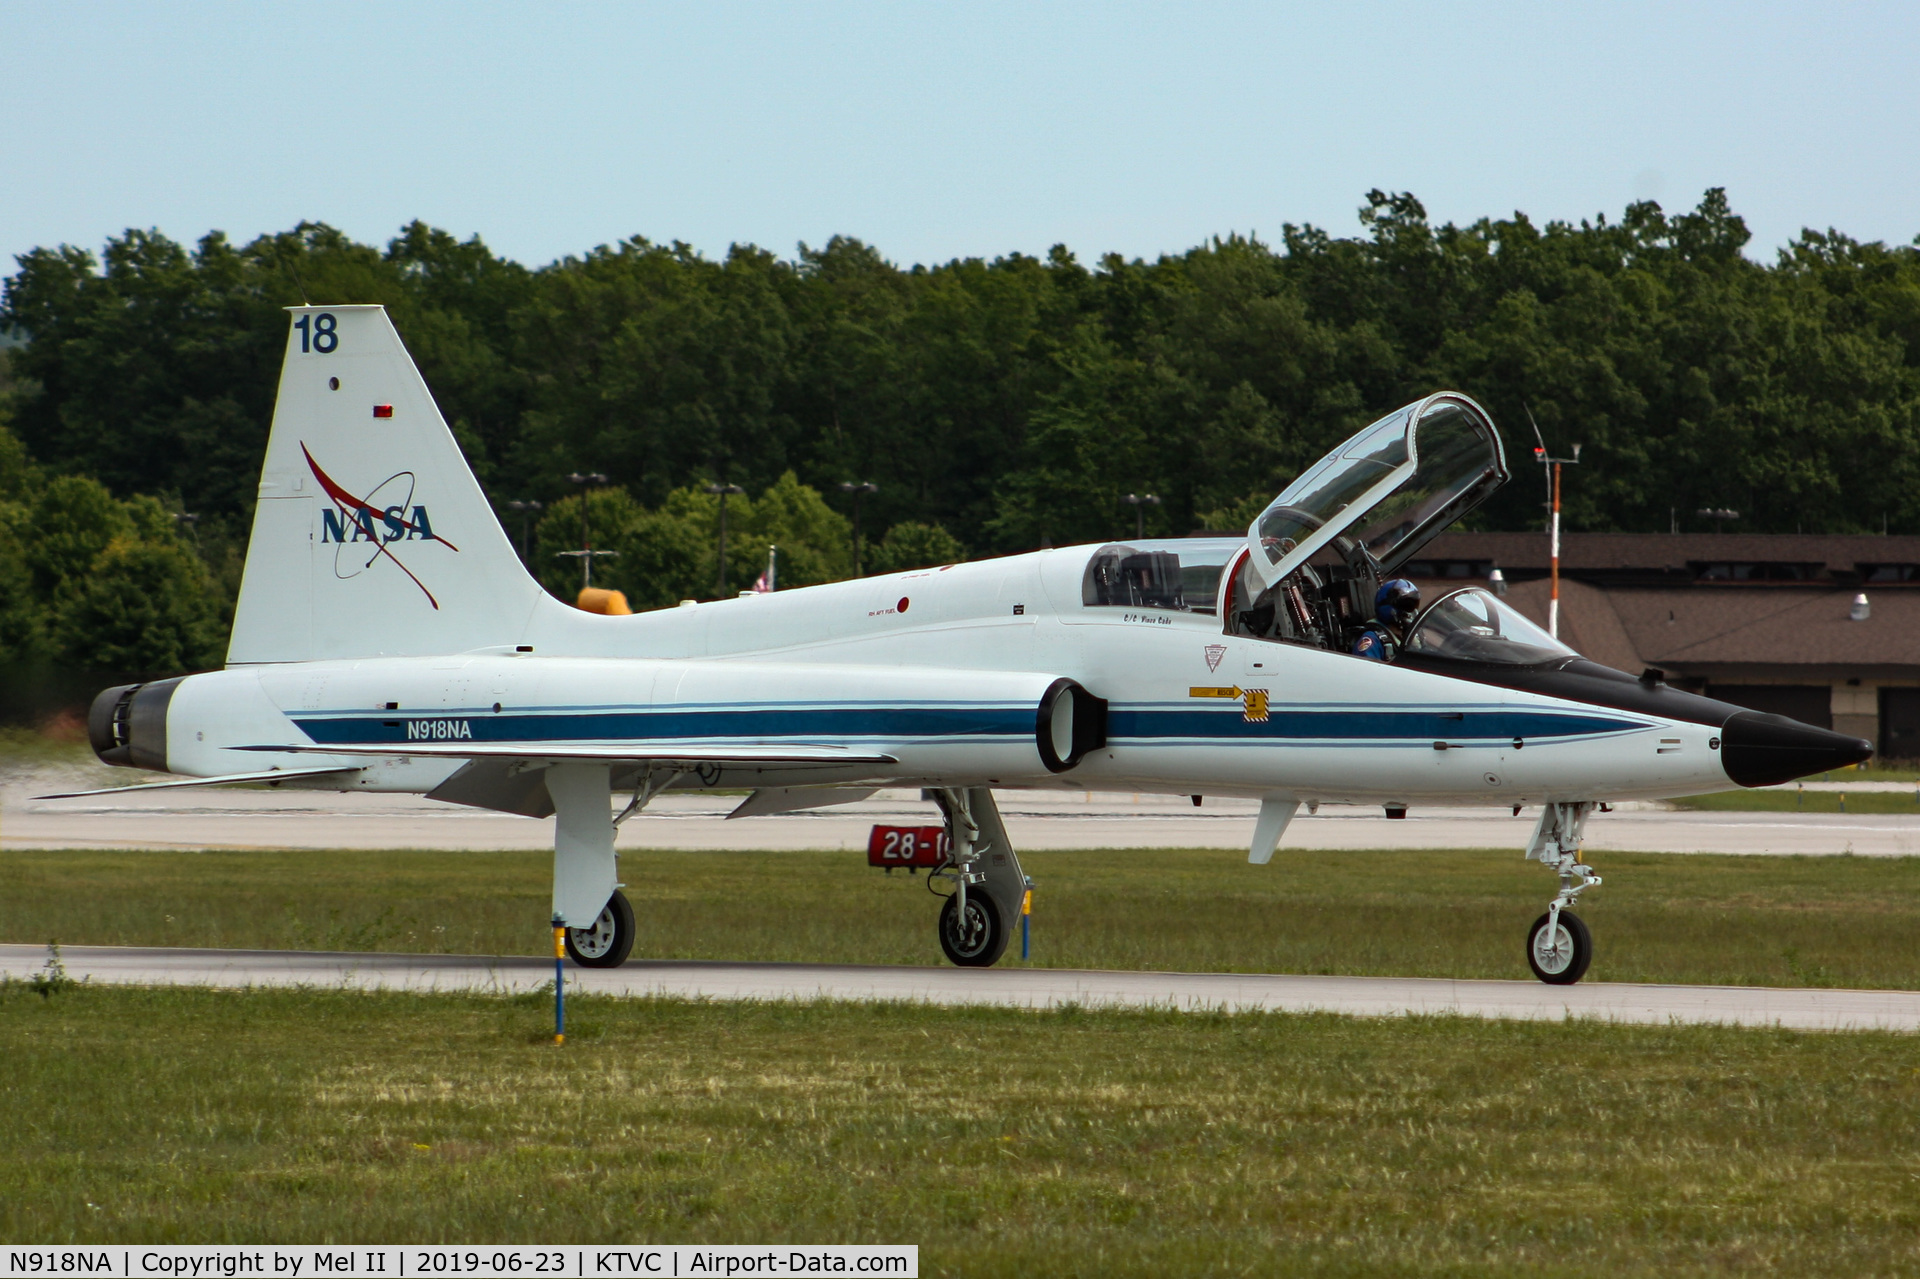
<point>1391,488</point>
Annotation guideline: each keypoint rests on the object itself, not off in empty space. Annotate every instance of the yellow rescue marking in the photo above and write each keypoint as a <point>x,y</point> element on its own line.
<point>1256,700</point>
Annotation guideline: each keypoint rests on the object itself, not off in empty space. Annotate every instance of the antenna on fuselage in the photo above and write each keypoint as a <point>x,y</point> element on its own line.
<point>298,283</point>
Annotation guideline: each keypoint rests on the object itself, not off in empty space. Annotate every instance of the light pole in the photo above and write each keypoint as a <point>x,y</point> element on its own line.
<point>586,553</point>
<point>859,491</point>
<point>1552,466</point>
<point>1140,503</point>
<point>190,522</point>
<point>1719,515</point>
<point>723,491</point>
<point>526,512</point>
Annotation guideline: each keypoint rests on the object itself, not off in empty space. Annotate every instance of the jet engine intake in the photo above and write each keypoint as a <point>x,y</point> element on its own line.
<point>1071,723</point>
<point>127,724</point>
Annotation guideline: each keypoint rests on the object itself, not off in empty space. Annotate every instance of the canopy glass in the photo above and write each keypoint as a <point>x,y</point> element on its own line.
<point>1473,625</point>
<point>1391,488</point>
<point>1181,575</point>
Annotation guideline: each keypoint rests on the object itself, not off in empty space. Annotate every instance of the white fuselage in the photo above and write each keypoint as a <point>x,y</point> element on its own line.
<point>946,687</point>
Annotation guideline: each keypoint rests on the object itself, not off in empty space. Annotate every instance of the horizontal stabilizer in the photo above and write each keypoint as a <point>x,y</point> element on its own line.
<point>621,753</point>
<point>230,779</point>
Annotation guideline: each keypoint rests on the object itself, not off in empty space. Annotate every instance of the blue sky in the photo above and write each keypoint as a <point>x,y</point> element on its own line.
<point>937,131</point>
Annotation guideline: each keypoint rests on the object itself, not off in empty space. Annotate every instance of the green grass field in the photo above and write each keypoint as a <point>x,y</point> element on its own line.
<point>1838,921</point>
<point>1876,770</point>
<point>1003,1142</point>
<point>1791,801</point>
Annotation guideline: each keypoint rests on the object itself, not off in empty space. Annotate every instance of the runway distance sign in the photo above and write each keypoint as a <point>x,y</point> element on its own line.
<point>907,846</point>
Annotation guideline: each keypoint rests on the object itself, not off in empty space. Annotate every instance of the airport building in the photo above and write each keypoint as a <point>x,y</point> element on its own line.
<point>1775,622</point>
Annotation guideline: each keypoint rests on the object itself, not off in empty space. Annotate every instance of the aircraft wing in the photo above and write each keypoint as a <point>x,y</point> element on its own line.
<point>230,779</point>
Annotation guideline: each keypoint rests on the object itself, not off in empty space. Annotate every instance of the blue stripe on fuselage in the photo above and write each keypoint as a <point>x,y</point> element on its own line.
<point>1368,723</point>
<point>1138,723</point>
<point>812,724</point>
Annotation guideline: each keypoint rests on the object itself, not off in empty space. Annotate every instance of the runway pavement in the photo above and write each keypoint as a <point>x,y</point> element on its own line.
<point>1806,1009</point>
<point>236,818</point>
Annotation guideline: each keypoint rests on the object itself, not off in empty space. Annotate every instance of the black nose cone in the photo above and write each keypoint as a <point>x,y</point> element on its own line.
<point>1765,750</point>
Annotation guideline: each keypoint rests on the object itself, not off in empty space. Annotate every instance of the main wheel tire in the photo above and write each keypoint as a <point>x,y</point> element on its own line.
<point>610,939</point>
<point>1562,959</point>
<point>979,939</point>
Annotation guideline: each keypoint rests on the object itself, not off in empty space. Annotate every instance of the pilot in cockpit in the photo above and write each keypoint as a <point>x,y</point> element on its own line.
<point>1394,606</point>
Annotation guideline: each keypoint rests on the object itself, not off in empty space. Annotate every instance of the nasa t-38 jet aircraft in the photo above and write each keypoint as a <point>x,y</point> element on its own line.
<point>387,638</point>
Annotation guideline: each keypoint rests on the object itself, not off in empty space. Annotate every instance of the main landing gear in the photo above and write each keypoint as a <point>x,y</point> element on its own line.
<point>1559,947</point>
<point>608,941</point>
<point>988,885</point>
<point>973,933</point>
<point>586,890</point>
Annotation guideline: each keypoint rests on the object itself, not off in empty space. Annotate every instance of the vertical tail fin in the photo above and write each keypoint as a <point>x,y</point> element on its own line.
<point>371,536</point>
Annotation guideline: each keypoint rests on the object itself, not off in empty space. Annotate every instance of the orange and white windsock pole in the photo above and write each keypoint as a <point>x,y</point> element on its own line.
<point>1553,522</point>
<point>1553,560</point>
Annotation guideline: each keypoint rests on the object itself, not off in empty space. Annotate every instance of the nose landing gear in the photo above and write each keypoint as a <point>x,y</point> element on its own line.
<point>1559,947</point>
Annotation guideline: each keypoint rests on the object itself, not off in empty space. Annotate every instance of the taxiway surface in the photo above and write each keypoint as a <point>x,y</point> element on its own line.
<point>1806,1009</point>
<point>239,818</point>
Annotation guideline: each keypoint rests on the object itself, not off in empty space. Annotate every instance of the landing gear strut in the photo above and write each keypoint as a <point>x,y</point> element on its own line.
<point>586,885</point>
<point>1559,947</point>
<point>988,885</point>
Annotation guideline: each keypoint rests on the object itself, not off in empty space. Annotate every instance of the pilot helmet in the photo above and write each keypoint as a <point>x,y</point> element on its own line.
<point>1396,601</point>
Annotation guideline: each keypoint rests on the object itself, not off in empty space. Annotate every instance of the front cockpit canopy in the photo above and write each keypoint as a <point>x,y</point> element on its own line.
<point>1391,488</point>
<point>1474,625</point>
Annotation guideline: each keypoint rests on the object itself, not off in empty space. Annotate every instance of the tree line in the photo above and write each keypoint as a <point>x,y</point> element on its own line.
<point>996,405</point>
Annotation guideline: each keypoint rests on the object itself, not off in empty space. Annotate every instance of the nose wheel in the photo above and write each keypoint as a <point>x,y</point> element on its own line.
<point>1559,949</point>
<point>606,942</point>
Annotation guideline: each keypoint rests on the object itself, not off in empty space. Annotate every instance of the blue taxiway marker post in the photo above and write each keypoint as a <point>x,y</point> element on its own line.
<point>559,981</point>
<point>1026,914</point>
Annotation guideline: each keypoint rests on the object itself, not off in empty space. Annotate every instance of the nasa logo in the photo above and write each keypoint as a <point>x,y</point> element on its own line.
<point>387,514</point>
<point>334,525</point>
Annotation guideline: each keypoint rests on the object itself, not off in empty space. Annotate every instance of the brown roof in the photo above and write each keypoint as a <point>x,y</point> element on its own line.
<point>1683,631</point>
<point>1673,551</point>
<point>1588,622</point>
